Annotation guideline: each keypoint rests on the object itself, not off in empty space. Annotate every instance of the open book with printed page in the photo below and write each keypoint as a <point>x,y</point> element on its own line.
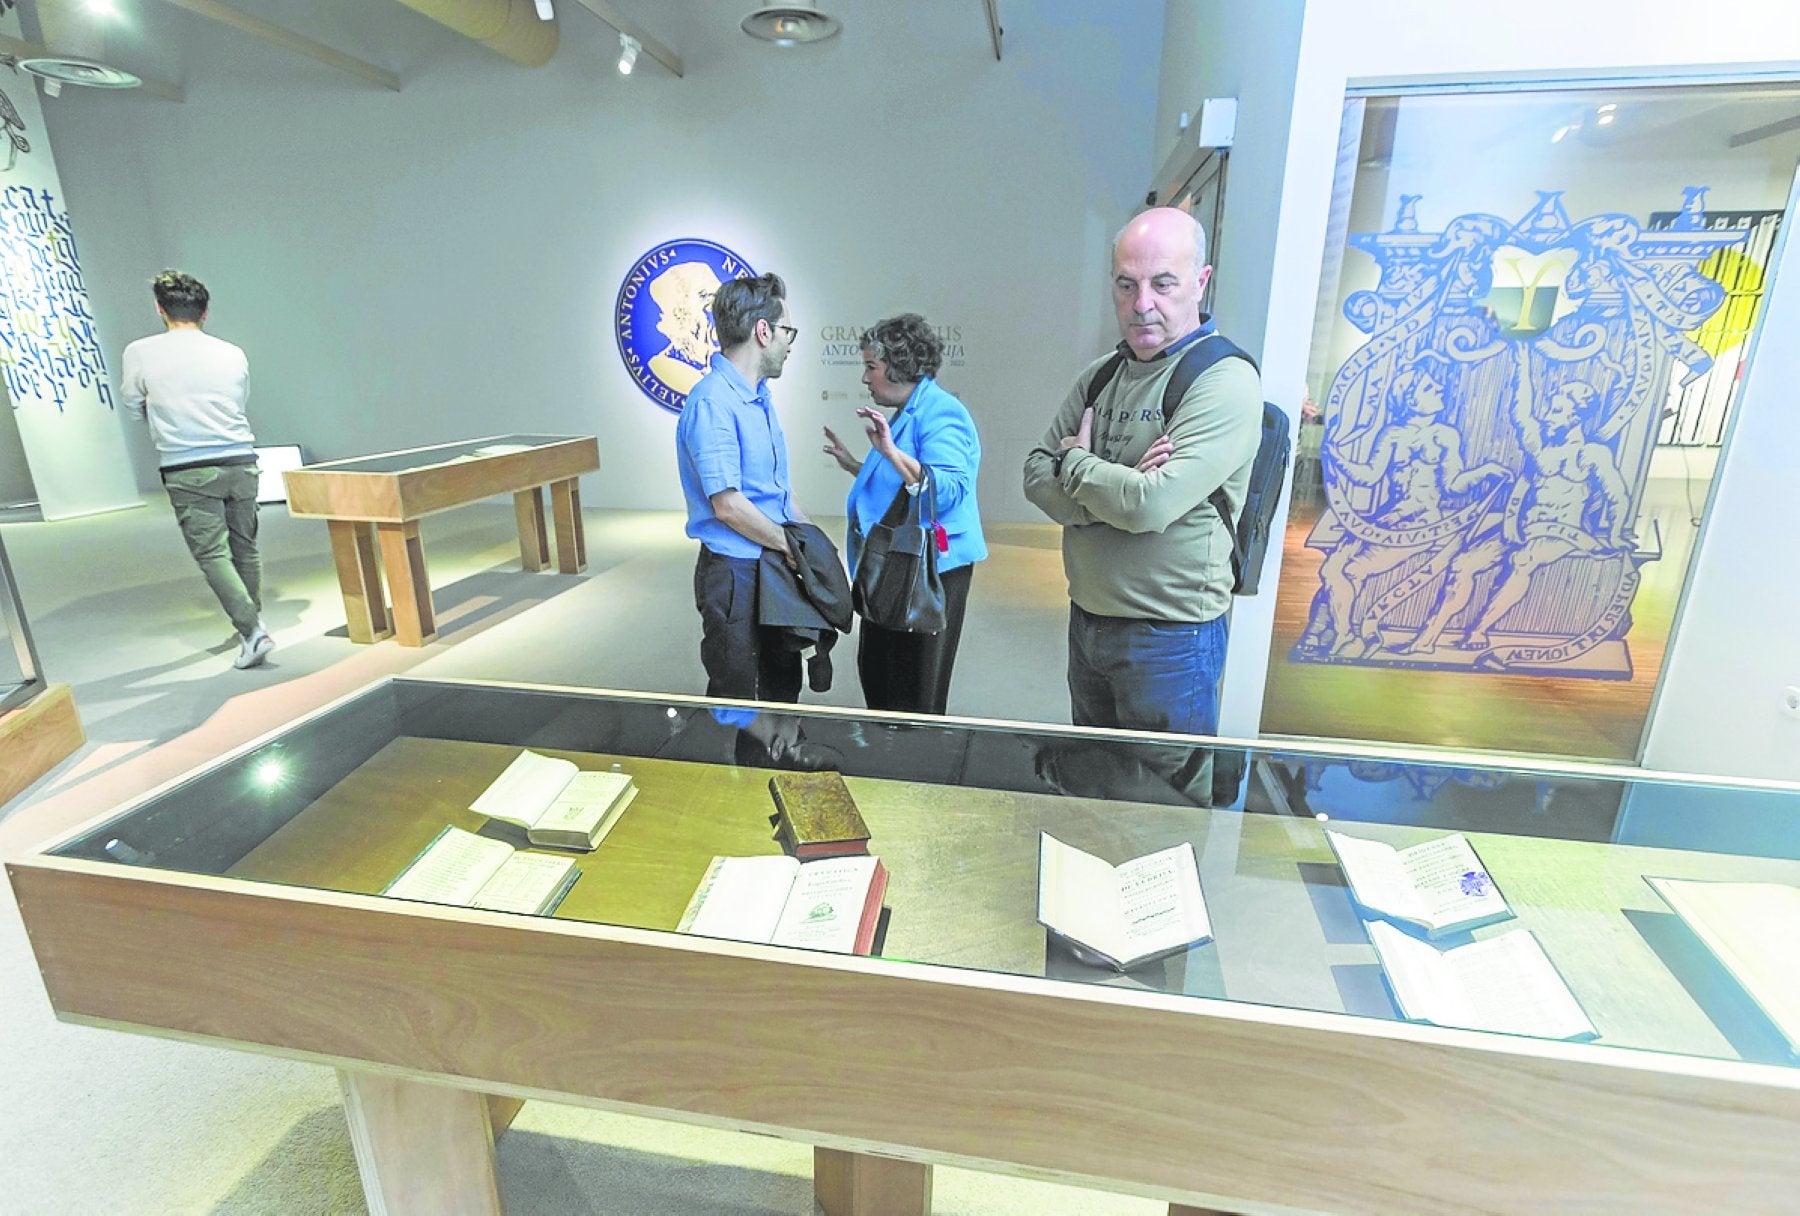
<point>1753,929</point>
<point>1441,885</point>
<point>560,805</point>
<point>833,903</point>
<point>1121,916</point>
<point>1504,983</point>
<point>471,871</point>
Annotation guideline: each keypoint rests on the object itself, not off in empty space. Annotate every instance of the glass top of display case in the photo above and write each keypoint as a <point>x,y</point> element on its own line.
<point>1549,924</point>
<point>19,676</point>
<point>442,453</point>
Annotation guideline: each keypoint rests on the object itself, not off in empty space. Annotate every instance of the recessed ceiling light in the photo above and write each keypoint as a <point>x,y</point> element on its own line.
<point>790,24</point>
<point>60,70</point>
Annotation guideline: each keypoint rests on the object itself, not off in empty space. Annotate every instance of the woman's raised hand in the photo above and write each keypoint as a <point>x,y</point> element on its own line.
<point>880,437</point>
<point>834,448</point>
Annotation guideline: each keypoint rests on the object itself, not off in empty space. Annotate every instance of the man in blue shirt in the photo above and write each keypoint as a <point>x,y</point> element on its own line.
<point>734,475</point>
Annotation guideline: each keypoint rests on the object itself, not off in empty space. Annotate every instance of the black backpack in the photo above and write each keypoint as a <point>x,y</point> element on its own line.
<point>1250,533</point>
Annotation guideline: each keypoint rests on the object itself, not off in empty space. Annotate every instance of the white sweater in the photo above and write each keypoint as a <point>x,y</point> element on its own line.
<point>192,387</point>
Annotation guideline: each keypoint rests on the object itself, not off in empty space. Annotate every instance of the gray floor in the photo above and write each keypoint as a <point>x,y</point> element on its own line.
<point>97,1121</point>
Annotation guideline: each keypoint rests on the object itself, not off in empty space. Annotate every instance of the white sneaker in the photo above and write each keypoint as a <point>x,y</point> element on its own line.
<point>255,649</point>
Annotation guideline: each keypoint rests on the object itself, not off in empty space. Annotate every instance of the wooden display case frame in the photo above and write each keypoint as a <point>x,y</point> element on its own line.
<point>435,1015</point>
<point>378,512</point>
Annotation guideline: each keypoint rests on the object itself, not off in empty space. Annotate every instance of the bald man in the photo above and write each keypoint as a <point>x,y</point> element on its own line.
<point>1147,557</point>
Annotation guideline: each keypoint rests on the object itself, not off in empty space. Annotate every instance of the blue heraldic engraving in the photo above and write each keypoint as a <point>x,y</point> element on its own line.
<point>1486,449</point>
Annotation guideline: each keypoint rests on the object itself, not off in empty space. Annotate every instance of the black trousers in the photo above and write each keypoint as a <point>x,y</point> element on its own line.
<point>742,659</point>
<point>911,671</point>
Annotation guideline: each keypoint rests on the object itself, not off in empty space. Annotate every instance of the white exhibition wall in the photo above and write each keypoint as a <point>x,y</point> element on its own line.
<point>1738,641</point>
<point>63,409</point>
<point>442,263</point>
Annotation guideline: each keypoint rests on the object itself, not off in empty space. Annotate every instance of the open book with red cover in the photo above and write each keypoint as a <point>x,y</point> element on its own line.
<point>830,904</point>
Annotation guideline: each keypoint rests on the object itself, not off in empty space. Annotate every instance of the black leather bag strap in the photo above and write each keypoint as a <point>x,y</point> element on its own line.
<point>905,507</point>
<point>900,508</point>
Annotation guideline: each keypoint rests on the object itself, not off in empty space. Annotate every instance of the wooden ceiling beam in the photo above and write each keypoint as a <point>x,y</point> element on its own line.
<point>625,25</point>
<point>256,27</point>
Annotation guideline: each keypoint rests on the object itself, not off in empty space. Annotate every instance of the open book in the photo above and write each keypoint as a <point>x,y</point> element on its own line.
<point>1505,983</point>
<point>830,904</point>
<point>473,871</point>
<point>1440,885</point>
<point>1753,929</point>
<point>558,804</point>
<point>1121,916</point>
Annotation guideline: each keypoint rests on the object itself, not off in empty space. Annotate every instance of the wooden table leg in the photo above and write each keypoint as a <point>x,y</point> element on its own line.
<point>35,736</point>
<point>359,579</point>
<point>501,1112</point>
<point>860,1184</point>
<point>403,558</point>
<point>421,1148</point>
<point>571,541</point>
<point>534,535</point>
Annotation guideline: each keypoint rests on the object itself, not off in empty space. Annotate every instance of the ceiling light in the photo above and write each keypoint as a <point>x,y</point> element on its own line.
<point>546,10</point>
<point>58,70</point>
<point>790,24</point>
<point>628,53</point>
<point>103,8</point>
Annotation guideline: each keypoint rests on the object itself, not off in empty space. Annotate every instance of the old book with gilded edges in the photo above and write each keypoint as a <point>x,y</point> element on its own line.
<point>816,817</point>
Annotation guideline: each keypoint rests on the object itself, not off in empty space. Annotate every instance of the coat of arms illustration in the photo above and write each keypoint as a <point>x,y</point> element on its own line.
<point>1487,447</point>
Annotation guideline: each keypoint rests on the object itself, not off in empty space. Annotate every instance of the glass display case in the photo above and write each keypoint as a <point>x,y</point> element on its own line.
<point>373,504</point>
<point>1271,1064</point>
<point>20,676</point>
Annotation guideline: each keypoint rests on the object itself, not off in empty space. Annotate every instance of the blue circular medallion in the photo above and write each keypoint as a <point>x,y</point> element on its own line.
<point>663,316</point>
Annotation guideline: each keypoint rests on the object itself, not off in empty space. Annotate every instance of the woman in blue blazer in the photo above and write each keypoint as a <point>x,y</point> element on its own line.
<point>929,436</point>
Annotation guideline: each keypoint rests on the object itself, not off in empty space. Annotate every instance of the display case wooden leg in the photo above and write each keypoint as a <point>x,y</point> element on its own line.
<point>534,533</point>
<point>861,1184</point>
<point>501,1112</point>
<point>403,558</point>
<point>421,1148</point>
<point>571,540</point>
<point>359,579</point>
<point>36,736</point>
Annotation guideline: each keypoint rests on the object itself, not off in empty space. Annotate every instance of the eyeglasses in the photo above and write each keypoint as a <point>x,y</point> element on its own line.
<point>790,331</point>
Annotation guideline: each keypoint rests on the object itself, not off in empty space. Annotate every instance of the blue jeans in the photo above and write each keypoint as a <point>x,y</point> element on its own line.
<point>1145,675</point>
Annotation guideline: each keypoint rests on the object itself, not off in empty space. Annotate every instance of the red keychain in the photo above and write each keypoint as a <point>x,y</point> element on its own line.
<point>943,537</point>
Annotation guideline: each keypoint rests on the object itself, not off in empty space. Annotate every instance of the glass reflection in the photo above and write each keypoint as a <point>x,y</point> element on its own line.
<point>346,800</point>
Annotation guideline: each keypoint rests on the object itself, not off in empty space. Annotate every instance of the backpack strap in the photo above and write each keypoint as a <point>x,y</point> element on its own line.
<point>1196,360</point>
<point>1102,378</point>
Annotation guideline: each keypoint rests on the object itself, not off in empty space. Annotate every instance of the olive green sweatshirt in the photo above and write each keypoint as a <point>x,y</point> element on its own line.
<point>1148,545</point>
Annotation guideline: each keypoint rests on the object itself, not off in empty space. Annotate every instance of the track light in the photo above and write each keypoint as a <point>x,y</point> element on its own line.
<point>628,53</point>
<point>546,10</point>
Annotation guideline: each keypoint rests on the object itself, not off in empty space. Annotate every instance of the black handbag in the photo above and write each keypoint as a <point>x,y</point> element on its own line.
<point>897,585</point>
